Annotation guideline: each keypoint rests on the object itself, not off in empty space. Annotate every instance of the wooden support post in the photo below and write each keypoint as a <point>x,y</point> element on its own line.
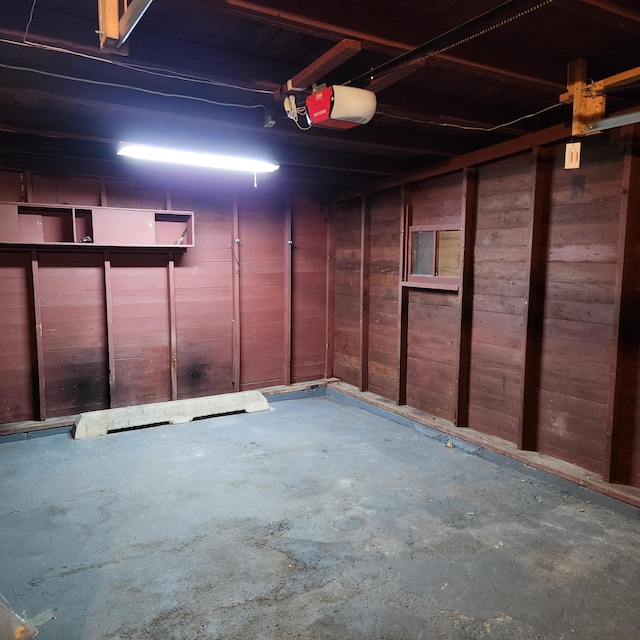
<point>288,283</point>
<point>235,286</point>
<point>29,186</point>
<point>403,324</point>
<point>108,23</point>
<point>626,269</point>
<point>534,302</point>
<point>330,303</point>
<point>588,99</point>
<point>173,333</point>
<point>467,242</point>
<point>37,315</point>
<point>403,297</point>
<point>103,191</point>
<point>365,268</point>
<point>108,299</point>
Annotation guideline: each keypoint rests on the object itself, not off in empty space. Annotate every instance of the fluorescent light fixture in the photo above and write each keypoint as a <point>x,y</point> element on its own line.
<point>193,158</point>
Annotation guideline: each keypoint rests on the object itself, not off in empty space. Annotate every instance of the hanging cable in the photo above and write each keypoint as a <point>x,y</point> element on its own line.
<point>116,85</point>
<point>469,127</point>
<point>163,73</point>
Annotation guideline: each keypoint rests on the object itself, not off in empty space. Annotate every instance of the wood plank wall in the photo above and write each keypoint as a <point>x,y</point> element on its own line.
<point>432,340</point>
<point>384,294</point>
<point>546,355</point>
<point>347,224</point>
<point>88,329</point>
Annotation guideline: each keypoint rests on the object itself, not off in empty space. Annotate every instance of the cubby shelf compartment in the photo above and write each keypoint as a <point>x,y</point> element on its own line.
<point>36,224</point>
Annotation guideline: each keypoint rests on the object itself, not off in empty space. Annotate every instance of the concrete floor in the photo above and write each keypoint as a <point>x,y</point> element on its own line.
<point>314,520</point>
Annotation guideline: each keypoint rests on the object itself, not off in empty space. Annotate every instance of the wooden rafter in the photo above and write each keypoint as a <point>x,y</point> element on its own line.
<point>615,9</point>
<point>304,24</point>
<point>333,58</point>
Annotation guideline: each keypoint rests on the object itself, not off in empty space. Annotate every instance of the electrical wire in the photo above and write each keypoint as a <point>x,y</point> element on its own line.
<point>468,127</point>
<point>116,85</point>
<point>163,73</point>
<point>26,30</point>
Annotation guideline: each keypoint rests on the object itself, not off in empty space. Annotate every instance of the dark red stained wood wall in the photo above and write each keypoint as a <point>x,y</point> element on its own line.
<point>625,463</point>
<point>130,326</point>
<point>17,339</point>
<point>204,306</point>
<point>577,343</point>
<point>384,294</point>
<point>347,222</point>
<point>550,341</point>
<point>74,332</point>
<point>261,251</point>
<point>309,259</point>
<point>140,331</point>
<point>433,316</point>
<point>503,216</point>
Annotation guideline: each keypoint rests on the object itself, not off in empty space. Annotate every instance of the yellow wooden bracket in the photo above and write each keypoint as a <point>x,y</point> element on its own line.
<point>588,98</point>
<point>108,27</point>
<point>113,28</point>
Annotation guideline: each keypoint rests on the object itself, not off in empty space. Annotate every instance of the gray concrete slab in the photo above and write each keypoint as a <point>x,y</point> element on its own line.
<point>315,520</point>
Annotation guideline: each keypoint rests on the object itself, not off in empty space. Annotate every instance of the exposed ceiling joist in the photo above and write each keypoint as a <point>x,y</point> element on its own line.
<point>612,7</point>
<point>304,24</point>
<point>333,58</point>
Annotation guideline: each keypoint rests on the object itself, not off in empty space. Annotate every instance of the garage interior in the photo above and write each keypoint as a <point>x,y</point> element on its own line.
<point>455,265</point>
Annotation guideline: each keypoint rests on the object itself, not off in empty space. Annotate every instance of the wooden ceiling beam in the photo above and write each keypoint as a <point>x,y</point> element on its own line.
<point>615,9</point>
<point>317,28</point>
<point>606,13</point>
<point>382,82</point>
<point>327,62</point>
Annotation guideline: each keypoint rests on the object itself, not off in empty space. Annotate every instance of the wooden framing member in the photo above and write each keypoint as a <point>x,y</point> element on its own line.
<point>37,316</point>
<point>500,150</point>
<point>288,284</point>
<point>108,299</point>
<point>589,99</point>
<point>113,29</point>
<point>627,238</point>
<point>534,302</point>
<point>173,332</point>
<point>330,303</point>
<point>235,322</point>
<point>339,53</point>
<point>309,25</point>
<point>465,292</point>
<point>403,298</point>
<point>365,269</point>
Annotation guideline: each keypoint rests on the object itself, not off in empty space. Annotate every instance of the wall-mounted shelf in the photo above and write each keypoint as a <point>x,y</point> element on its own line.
<point>26,223</point>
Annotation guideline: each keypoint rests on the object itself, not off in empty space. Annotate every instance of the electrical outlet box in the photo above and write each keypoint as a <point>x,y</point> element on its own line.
<point>572,155</point>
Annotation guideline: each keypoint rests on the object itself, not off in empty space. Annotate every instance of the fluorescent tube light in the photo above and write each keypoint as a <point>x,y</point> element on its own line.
<point>193,158</point>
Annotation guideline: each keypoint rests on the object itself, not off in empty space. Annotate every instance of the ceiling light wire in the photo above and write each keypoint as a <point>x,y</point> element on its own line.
<point>163,73</point>
<point>26,30</point>
<point>132,88</point>
<point>469,127</point>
